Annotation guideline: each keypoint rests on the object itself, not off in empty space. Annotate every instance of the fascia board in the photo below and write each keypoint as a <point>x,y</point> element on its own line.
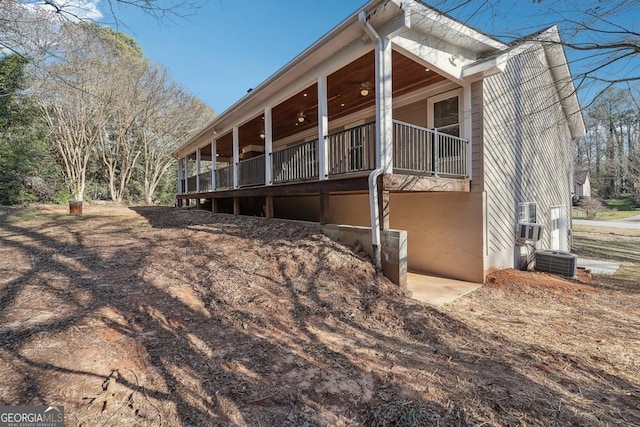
<point>452,29</point>
<point>561,73</point>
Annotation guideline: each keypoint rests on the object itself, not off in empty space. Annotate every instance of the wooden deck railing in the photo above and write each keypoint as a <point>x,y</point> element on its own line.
<point>352,150</point>
<point>296,163</point>
<point>251,171</point>
<point>418,149</point>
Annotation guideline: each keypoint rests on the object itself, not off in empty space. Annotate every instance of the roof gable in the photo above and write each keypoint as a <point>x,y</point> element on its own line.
<point>581,176</point>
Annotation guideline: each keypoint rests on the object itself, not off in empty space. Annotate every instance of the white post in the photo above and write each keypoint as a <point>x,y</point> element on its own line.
<point>180,178</point>
<point>436,152</point>
<point>214,163</point>
<point>186,174</point>
<point>384,104</point>
<point>198,170</point>
<point>236,155</point>
<point>323,128</point>
<point>467,128</point>
<point>268,145</point>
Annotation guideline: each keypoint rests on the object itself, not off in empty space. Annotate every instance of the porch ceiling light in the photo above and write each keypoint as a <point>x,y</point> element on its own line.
<point>262,134</point>
<point>301,117</point>
<point>364,89</point>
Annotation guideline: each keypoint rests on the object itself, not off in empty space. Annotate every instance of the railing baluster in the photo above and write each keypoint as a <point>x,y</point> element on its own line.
<point>417,149</point>
<point>352,150</point>
<point>294,163</point>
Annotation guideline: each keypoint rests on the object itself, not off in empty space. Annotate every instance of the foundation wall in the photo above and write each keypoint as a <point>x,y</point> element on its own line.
<point>444,233</point>
<point>393,248</point>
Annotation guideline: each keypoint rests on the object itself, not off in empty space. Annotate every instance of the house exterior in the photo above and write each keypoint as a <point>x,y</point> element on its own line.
<point>581,184</point>
<point>403,118</point>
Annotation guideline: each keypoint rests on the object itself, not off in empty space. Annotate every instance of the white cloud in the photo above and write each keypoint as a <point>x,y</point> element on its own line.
<point>73,10</point>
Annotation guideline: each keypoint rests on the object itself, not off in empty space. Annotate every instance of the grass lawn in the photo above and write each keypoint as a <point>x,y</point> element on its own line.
<point>615,209</point>
<point>613,244</point>
<point>610,214</point>
<point>621,204</point>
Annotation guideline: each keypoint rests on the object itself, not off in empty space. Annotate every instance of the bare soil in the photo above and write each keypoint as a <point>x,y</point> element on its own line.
<point>176,317</point>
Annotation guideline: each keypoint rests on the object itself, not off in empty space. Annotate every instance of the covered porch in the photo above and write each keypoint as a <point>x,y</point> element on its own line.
<point>328,131</point>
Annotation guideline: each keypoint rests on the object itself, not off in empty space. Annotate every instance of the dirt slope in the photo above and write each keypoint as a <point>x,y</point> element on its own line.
<point>156,316</point>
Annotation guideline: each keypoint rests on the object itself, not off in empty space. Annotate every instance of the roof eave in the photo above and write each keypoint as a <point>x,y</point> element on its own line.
<point>287,68</point>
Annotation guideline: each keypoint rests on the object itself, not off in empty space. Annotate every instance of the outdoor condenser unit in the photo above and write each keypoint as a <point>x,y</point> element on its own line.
<point>557,262</point>
<point>528,231</point>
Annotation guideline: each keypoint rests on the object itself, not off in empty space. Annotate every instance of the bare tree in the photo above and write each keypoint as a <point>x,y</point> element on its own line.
<point>73,117</point>
<point>25,25</point>
<point>176,117</point>
<point>602,37</point>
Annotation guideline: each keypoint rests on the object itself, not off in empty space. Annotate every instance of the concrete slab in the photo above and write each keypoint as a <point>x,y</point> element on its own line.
<point>437,291</point>
<point>606,268</point>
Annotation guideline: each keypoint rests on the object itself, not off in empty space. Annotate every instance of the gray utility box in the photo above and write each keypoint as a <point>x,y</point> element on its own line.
<point>557,262</point>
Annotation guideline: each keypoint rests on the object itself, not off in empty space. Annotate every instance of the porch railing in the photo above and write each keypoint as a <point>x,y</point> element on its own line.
<point>251,171</point>
<point>352,150</point>
<point>295,163</point>
<point>205,182</point>
<point>418,149</point>
<point>191,184</point>
<point>224,177</point>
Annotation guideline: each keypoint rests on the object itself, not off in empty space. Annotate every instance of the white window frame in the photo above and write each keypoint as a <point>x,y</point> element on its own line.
<point>527,212</point>
<point>442,97</point>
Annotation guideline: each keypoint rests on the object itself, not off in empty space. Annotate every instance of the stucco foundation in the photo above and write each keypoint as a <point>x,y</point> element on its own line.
<point>444,233</point>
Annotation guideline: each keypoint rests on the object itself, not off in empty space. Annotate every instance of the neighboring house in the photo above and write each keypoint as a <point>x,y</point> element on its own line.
<point>404,118</point>
<point>581,184</point>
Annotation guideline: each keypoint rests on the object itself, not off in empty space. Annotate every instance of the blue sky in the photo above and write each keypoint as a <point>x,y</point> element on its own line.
<point>229,46</point>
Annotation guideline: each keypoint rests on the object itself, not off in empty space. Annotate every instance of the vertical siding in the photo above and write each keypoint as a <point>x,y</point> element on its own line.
<point>527,151</point>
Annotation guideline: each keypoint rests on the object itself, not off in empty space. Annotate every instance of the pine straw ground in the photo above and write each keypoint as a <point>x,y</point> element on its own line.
<point>164,317</point>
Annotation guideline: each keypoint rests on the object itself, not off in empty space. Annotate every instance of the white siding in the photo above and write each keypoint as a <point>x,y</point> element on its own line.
<point>527,151</point>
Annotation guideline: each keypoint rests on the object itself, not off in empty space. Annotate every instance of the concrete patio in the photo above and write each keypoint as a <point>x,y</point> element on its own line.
<point>437,291</point>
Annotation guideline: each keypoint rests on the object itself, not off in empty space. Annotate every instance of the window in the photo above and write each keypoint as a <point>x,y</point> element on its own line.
<point>446,117</point>
<point>444,114</point>
<point>527,212</point>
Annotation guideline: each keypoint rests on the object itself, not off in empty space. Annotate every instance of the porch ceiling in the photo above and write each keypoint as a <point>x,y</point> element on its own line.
<point>344,98</point>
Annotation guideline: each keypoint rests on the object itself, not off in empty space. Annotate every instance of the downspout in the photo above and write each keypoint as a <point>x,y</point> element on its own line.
<point>373,176</point>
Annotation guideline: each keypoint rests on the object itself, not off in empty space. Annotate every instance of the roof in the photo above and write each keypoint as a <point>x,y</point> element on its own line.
<point>349,30</point>
<point>580,176</point>
<point>550,40</point>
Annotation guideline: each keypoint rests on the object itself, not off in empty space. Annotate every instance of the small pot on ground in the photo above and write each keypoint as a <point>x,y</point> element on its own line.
<point>75,208</point>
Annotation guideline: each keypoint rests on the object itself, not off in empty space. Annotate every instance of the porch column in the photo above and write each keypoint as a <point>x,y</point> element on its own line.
<point>384,107</point>
<point>180,177</point>
<point>198,170</point>
<point>214,163</point>
<point>268,145</point>
<point>186,174</point>
<point>323,128</point>
<point>268,206</point>
<point>236,155</point>
<point>467,124</point>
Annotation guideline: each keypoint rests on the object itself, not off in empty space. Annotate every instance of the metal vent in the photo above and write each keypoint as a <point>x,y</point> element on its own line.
<point>529,232</point>
<point>557,262</point>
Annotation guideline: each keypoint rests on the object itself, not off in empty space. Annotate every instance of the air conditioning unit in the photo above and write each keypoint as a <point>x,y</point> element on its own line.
<point>529,231</point>
<point>557,262</point>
